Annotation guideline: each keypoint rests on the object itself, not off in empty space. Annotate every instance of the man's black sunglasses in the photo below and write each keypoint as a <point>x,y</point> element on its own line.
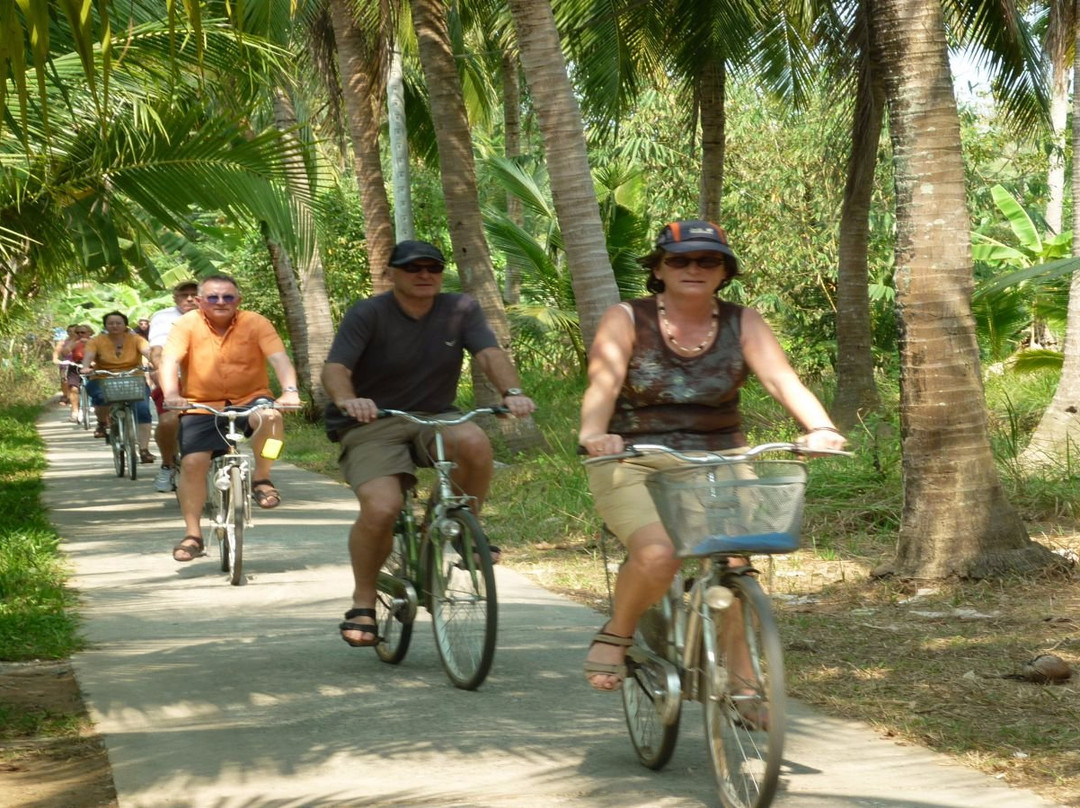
<point>414,269</point>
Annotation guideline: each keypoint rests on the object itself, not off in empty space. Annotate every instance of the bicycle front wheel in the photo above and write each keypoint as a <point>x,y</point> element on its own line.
<point>461,587</point>
<point>743,695</point>
<point>117,428</point>
<point>235,512</point>
<point>84,406</point>
<point>391,611</point>
<point>131,443</point>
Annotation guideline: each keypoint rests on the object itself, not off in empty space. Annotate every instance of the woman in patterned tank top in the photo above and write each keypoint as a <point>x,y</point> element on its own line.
<point>667,369</point>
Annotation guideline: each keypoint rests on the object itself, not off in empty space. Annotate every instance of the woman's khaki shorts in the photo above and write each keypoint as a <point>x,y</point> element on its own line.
<point>618,489</point>
<point>384,448</point>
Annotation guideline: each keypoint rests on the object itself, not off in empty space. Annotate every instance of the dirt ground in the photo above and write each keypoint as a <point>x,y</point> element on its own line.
<point>68,770</point>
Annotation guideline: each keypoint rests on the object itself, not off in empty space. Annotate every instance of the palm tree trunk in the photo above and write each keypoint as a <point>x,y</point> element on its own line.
<point>856,392</point>
<point>1056,437</point>
<point>515,211</point>
<point>572,188</point>
<point>362,89</point>
<point>1059,33</point>
<point>711,98</point>
<point>458,173</point>
<point>318,327</point>
<point>956,520</point>
<point>399,149</point>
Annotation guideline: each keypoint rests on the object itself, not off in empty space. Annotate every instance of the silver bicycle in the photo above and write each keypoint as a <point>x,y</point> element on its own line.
<point>228,487</point>
<point>122,390</point>
<point>713,638</point>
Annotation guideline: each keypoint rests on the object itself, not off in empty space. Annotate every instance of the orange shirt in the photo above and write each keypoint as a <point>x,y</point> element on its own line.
<point>214,368</point>
<point>106,357</point>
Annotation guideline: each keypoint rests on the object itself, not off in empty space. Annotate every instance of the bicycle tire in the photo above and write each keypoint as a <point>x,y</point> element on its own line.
<point>463,604</point>
<point>84,406</point>
<point>395,633</point>
<point>745,756</point>
<point>643,694</point>
<point>116,441</point>
<point>131,442</point>
<point>234,525</point>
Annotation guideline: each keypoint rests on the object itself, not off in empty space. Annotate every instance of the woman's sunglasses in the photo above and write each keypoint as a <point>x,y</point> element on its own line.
<point>705,262</point>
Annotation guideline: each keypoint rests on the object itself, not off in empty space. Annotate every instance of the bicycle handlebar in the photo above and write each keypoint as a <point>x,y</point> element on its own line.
<point>233,413</point>
<point>642,449</point>
<point>468,416</point>
<point>103,372</point>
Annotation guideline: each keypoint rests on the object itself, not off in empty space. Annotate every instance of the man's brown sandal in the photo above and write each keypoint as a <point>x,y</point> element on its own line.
<point>191,551</point>
<point>364,628</point>
<point>266,497</point>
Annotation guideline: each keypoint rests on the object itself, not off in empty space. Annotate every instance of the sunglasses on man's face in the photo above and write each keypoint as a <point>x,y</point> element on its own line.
<point>215,299</point>
<point>705,261</point>
<point>414,269</point>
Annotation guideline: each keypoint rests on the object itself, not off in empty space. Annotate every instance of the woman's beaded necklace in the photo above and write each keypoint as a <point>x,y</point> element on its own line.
<point>669,332</point>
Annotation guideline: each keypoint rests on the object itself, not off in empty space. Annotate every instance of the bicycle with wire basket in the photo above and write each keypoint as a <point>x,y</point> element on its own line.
<point>121,390</point>
<point>444,563</point>
<point>228,485</point>
<point>713,637</point>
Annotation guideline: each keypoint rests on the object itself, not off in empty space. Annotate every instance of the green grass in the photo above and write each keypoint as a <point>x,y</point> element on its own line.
<point>37,620</point>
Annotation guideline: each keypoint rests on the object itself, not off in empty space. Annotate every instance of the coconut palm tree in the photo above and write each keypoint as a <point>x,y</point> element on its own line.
<point>567,159</point>
<point>361,44</point>
<point>956,520</point>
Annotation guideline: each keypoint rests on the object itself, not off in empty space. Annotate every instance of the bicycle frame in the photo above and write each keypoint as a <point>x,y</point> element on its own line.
<point>447,560</point>
<point>228,487</point>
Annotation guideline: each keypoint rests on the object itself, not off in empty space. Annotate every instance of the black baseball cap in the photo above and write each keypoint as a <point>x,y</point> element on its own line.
<point>405,252</point>
<point>692,235</point>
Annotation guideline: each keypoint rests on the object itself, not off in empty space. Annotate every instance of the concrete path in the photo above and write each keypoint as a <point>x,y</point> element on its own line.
<point>214,695</point>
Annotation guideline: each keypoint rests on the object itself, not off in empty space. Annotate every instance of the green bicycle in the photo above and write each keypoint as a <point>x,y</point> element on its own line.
<point>445,563</point>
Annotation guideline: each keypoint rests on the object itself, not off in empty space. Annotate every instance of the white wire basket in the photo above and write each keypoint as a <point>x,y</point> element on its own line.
<point>123,388</point>
<point>741,507</point>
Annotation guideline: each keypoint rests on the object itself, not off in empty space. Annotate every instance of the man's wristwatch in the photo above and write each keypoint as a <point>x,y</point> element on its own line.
<point>289,389</point>
<point>513,391</point>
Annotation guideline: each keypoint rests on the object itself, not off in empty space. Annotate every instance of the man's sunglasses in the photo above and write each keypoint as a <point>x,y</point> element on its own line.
<point>215,299</point>
<point>414,269</point>
<point>705,262</point>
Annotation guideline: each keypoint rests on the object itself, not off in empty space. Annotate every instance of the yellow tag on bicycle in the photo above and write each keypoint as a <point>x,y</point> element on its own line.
<point>271,450</point>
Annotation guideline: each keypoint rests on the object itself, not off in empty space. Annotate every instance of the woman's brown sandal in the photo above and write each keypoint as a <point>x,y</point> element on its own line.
<point>191,551</point>
<point>606,669</point>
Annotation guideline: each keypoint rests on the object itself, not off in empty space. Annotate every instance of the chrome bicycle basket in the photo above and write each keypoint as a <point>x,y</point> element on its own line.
<point>123,388</point>
<point>751,506</point>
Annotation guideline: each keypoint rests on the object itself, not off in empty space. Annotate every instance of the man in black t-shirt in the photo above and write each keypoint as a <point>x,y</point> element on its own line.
<point>404,350</point>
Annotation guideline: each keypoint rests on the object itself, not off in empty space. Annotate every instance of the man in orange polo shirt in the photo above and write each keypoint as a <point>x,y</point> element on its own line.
<point>221,355</point>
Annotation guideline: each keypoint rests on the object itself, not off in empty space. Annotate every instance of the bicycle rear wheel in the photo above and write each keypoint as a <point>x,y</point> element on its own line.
<point>117,427</point>
<point>744,699</point>
<point>392,613</point>
<point>233,545</point>
<point>461,586</point>
<point>131,442</point>
<point>644,695</point>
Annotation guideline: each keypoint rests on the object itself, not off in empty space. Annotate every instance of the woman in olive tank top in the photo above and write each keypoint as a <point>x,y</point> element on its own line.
<point>667,369</point>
